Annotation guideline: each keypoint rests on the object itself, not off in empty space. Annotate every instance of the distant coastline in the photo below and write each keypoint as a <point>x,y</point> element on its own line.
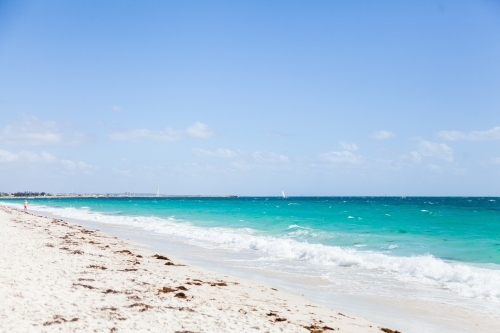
<point>17,195</point>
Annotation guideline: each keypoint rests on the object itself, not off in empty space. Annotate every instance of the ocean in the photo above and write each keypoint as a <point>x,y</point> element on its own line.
<point>431,249</point>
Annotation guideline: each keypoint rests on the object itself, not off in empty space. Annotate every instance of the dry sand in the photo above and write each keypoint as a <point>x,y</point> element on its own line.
<point>58,276</point>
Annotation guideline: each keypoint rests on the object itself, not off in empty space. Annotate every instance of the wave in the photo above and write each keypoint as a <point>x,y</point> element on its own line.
<point>467,280</point>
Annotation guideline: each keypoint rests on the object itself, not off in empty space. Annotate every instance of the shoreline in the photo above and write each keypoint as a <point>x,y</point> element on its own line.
<point>59,275</point>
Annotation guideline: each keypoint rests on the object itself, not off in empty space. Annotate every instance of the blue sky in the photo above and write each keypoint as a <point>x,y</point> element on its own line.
<point>246,98</point>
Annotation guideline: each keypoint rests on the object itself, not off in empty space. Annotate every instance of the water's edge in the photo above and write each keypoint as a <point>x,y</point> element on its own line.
<point>401,314</point>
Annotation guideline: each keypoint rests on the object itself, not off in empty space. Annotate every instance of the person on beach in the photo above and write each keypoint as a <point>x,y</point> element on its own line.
<point>25,205</point>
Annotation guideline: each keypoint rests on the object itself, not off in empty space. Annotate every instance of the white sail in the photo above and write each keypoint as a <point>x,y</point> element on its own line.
<point>158,191</point>
<point>283,194</point>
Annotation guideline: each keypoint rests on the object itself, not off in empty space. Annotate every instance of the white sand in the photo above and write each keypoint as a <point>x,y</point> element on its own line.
<point>58,276</point>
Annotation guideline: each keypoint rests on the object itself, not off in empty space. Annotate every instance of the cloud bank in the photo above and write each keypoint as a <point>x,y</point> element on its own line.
<point>44,157</point>
<point>382,135</point>
<point>342,157</point>
<point>31,131</point>
<point>491,134</point>
<point>197,130</point>
<point>256,156</point>
<point>433,149</point>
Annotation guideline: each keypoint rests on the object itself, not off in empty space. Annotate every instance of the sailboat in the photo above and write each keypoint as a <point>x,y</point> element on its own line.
<point>158,191</point>
<point>283,194</point>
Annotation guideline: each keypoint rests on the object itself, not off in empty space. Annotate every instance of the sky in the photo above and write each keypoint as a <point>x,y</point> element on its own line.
<point>250,97</point>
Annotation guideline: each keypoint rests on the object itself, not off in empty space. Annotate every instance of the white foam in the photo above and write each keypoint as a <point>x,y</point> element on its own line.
<point>467,280</point>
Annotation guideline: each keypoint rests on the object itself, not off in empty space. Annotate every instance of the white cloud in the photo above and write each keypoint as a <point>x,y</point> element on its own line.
<point>243,160</point>
<point>47,157</point>
<point>221,152</point>
<point>342,157</point>
<point>382,135</point>
<point>416,157</point>
<point>7,156</point>
<point>200,130</point>
<point>138,135</point>
<point>439,150</point>
<point>256,156</point>
<point>80,166</point>
<point>197,130</point>
<point>29,156</point>
<point>491,134</point>
<point>121,172</point>
<point>348,146</point>
<point>433,168</point>
<point>268,157</point>
<point>32,131</point>
<point>26,156</point>
<point>117,108</point>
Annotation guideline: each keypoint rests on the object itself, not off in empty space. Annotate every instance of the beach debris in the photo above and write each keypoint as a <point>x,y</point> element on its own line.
<point>128,270</point>
<point>134,262</point>
<point>318,329</point>
<point>125,252</point>
<point>143,306</point>
<point>274,314</point>
<point>157,256</point>
<point>182,308</point>
<point>169,263</point>
<point>166,290</point>
<point>84,285</point>
<point>388,330</point>
<point>220,284</point>
<point>58,320</point>
<point>111,291</point>
<point>194,283</point>
<point>77,252</point>
<point>96,267</point>
<point>111,308</point>
<point>134,297</point>
<point>180,295</point>
<point>182,288</point>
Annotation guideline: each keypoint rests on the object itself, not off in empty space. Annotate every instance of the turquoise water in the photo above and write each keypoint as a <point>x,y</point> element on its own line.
<point>449,242</point>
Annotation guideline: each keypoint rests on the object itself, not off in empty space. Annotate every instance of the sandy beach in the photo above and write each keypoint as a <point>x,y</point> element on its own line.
<point>58,276</point>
